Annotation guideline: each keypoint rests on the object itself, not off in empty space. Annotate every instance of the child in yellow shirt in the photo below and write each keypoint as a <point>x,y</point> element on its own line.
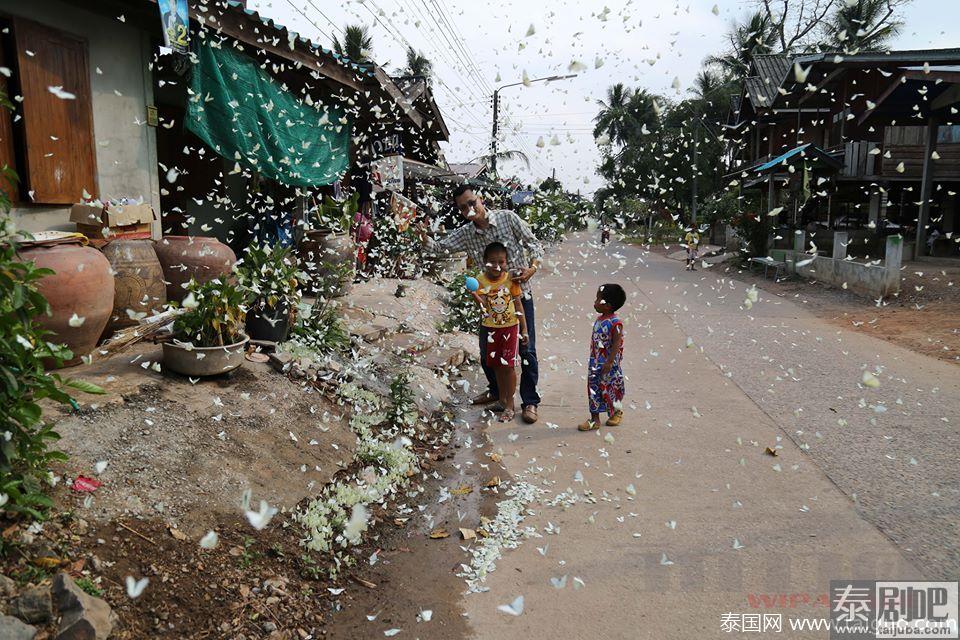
<point>499,297</point>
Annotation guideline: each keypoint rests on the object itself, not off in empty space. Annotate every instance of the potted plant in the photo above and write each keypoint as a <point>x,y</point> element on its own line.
<point>327,252</point>
<point>270,279</point>
<point>208,338</point>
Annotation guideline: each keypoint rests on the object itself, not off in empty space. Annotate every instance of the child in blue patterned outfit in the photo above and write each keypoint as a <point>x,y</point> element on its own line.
<point>605,386</point>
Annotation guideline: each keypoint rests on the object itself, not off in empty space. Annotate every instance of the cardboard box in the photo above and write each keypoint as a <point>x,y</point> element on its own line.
<point>109,221</point>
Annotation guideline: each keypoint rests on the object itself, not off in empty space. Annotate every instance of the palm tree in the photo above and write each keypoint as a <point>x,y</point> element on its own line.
<point>509,154</point>
<point>865,25</point>
<point>417,64</point>
<point>753,36</point>
<point>357,43</point>
<point>612,120</point>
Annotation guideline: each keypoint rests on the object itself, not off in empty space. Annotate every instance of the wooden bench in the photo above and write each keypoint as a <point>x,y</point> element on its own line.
<point>769,263</point>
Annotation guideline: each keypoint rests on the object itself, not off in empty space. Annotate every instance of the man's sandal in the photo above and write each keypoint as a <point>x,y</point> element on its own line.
<point>507,415</point>
<point>484,398</point>
<point>530,413</point>
<point>588,425</point>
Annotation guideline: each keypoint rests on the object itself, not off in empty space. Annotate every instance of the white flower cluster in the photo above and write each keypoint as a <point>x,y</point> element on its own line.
<point>504,532</point>
<point>388,464</point>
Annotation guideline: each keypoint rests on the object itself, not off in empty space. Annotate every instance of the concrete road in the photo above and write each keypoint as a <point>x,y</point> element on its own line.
<point>683,517</point>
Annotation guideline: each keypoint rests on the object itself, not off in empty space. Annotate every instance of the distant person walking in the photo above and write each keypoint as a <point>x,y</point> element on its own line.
<point>692,240</point>
<point>524,253</point>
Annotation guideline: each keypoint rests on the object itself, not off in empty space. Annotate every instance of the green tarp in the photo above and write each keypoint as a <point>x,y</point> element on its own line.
<point>247,117</point>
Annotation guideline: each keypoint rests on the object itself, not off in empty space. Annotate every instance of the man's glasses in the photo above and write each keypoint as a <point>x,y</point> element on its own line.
<point>469,204</point>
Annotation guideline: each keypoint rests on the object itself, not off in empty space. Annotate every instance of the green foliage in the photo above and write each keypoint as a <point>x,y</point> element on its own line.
<point>462,312</point>
<point>402,410</point>
<point>25,439</point>
<point>215,314</point>
<point>551,214</point>
<point>330,281</point>
<point>336,215</point>
<point>752,228</point>
<point>357,44</point>
<point>864,25</point>
<point>321,330</point>
<point>720,209</point>
<point>89,586</point>
<point>269,276</point>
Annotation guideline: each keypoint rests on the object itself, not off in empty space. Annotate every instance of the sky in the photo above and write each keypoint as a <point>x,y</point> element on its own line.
<point>477,45</point>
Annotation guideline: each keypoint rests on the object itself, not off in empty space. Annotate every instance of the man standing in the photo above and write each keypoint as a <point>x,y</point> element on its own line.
<point>524,254</point>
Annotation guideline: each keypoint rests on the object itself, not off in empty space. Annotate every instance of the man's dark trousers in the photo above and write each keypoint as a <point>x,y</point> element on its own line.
<point>530,371</point>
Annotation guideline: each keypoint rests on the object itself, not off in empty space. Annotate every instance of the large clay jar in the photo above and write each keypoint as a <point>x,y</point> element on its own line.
<point>81,285</point>
<point>185,257</point>
<point>137,282</point>
<point>330,260</point>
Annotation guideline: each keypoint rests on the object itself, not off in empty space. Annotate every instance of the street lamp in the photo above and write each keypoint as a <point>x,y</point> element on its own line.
<point>496,112</point>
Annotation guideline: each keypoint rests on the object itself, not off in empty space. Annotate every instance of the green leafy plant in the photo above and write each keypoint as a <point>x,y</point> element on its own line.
<point>331,278</point>
<point>89,586</point>
<point>214,316</point>
<point>461,312</point>
<point>269,276</point>
<point>336,215</point>
<point>402,410</point>
<point>321,330</point>
<point>25,439</point>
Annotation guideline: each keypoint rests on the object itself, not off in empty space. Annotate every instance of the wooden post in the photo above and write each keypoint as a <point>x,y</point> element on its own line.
<point>926,187</point>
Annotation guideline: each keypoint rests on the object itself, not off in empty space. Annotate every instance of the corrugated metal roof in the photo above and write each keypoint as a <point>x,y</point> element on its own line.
<point>771,70</point>
<point>364,70</point>
<point>772,67</point>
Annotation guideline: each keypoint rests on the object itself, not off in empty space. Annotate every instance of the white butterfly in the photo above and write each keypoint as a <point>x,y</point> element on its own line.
<point>260,519</point>
<point>357,523</point>
<point>515,608</point>
<point>210,541</point>
<point>135,587</point>
<point>559,583</point>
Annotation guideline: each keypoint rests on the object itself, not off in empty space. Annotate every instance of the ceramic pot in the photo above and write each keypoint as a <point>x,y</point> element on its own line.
<point>330,260</point>
<point>212,361</point>
<point>186,257</point>
<point>269,323</point>
<point>137,281</point>
<point>81,285</point>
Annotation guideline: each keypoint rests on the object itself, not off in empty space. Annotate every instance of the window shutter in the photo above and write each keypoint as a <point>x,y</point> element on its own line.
<point>58,132</point>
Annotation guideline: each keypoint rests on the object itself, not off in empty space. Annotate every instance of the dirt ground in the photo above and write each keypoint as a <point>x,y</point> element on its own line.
<point>185,452</point>
<point>924,317</point>
<point>263,584</point>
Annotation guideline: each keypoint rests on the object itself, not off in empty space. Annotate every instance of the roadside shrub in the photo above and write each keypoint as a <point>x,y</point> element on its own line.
<point>461,312</point>
<point>25,439</point>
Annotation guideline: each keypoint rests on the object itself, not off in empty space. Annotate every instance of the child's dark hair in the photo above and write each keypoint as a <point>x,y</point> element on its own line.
<point>494,247</point>
<point>613,295</point>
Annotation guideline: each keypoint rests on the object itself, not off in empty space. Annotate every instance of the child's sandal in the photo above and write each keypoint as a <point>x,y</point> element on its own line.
<point>588,425</point>
<point>615,419</point>
<point>507,415</point>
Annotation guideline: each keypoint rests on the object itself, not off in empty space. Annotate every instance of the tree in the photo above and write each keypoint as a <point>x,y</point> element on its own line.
<point>753,36</point>
<point>508,154</point>
<point>417,64</point>
<point>865,25</point>
<point>551,184</point>
<point>357,44</point>
<point>613,116</point>
<point>796,23</point>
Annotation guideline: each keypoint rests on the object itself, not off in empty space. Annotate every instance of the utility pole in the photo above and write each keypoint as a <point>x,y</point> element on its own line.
<point>493,143</point>
<point>496,113</point>
<point>693,205</point>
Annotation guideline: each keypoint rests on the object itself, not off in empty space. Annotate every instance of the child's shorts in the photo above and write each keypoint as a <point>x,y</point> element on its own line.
<point>502,346</point>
